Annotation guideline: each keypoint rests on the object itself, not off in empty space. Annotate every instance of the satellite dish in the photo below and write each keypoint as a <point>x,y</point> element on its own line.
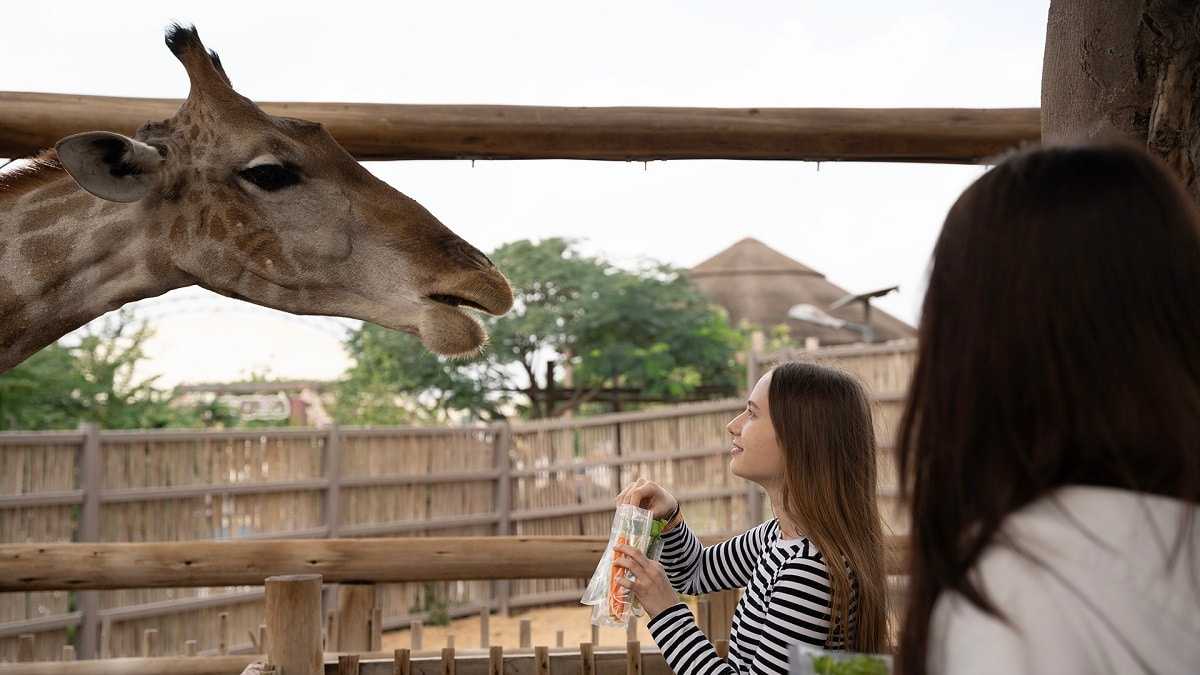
<point>863,297</point>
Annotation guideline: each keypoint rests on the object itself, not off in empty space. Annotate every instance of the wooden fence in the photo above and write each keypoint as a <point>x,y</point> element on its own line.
<point>539,478</point>
<point>555,477</point>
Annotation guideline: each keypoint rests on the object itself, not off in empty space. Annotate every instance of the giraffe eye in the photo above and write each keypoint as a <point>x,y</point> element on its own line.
<point>270,177</point>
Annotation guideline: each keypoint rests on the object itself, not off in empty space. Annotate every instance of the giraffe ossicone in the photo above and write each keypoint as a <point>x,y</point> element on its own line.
<point>266,209</point>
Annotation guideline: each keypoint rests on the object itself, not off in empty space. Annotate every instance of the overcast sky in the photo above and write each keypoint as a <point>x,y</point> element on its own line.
<point>862,225</point>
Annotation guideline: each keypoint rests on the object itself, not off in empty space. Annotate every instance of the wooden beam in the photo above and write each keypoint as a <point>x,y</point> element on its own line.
<point>30,122</point>
<point>179,564</point>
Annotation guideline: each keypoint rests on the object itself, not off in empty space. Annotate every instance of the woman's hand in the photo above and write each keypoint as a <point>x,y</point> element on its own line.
<point>649,582</point>
<point>650,496</point>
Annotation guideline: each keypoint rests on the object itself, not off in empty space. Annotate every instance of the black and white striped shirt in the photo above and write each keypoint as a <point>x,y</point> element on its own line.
<point>786,601</point>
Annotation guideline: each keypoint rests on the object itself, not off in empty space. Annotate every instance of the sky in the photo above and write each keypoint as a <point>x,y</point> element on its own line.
<point>863,225</point>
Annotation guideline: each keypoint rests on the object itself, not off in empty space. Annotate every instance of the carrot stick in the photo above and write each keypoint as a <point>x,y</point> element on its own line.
<point>618,596</point>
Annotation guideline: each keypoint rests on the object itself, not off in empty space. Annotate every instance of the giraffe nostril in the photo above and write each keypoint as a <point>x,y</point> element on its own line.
<point>467,254</point>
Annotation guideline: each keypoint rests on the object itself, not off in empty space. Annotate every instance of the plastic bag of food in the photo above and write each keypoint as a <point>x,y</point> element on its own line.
<point>613,604</point>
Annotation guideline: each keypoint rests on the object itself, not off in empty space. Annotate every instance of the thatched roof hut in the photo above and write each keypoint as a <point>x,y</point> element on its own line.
<point>757,284</point>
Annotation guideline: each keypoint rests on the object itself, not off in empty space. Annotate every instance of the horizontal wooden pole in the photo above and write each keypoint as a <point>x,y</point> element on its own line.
<point>30,122</point>
<point>180,564</point>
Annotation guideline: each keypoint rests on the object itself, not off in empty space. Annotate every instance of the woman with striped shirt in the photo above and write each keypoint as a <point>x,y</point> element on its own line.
<point>806,437</point>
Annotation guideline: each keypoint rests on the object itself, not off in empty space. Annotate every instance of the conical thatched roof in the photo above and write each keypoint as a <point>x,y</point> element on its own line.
<point>757,284</point>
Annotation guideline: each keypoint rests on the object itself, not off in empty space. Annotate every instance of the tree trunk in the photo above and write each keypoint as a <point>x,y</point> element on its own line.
<point>1129,68</point>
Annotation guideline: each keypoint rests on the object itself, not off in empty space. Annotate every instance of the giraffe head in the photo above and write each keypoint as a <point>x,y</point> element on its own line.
<point>273,211</point>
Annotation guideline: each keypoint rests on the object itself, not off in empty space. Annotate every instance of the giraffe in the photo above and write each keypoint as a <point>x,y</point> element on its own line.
<point>269,210</point>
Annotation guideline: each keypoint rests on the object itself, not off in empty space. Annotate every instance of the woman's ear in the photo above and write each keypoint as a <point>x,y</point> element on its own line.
<point>110,166</point>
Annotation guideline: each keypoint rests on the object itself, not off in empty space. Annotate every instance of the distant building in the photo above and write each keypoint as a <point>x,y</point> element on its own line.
<point>758,285</point>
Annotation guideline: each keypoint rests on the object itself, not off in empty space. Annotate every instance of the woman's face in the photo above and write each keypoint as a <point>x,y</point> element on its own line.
<point>756,454</point>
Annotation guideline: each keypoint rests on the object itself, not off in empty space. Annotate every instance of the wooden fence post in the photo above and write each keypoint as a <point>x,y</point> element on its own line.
<point>91,477</point>
<point>541,660</point>
<point>68,653</point>
<point>502,589</point>
<point>496,660</point>
<point>293,615</point>
<point>356,607</point>
<point>401,662</point>
<point>448,664</point>
<point>587,655</point>
<point>191,648</point>
<point>348,664</point>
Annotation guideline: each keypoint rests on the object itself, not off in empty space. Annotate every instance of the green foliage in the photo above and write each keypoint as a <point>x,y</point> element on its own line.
<point>858,664</point>
<point>647,329</point>
<point>94,381</point>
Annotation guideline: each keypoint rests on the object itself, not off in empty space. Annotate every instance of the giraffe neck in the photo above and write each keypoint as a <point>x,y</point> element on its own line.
<point>67,257</point>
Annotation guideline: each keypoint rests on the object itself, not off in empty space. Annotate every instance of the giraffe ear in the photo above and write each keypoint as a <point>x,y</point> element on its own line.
<point>110,166</point>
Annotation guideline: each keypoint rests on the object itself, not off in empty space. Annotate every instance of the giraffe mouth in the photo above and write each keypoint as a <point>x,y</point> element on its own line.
<point>458,301</point>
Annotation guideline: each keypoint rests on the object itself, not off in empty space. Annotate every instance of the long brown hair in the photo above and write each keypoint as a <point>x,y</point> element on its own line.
<point>823,423</point>
<point>1059,344</point>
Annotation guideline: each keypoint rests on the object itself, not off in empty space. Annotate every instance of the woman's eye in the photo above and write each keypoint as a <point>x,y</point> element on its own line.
<point>270,177</point>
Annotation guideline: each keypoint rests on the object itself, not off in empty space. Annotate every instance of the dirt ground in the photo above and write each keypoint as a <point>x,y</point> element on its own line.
<point>573,620</point>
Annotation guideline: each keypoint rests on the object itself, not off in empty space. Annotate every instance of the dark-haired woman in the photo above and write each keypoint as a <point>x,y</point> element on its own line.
<point>1051,441</point>
<point>813,574</point>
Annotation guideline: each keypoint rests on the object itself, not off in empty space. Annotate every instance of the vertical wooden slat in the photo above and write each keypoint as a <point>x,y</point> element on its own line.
<point>595,634</point>
<point>704,620</point>
<point>105,639</point>
<point>448,665</point>
<point>91,472</point>
<point>262,638</point>
<point>631,629</point>
<point>502,588</point>
<point>191,648</point>
<point>25,648</point>
<point>332,510</point>
<point>331,626</point>
<point>450,641</point>
<point>485,631</point>
<point>356,606</point>
<point>149,642</point>
<point>541,660</point>
<point>416,638</point>
<point>68,653</point>
<point>526,634</point>
<point>377,629</point>
<point>223,633</point>
<point>401,662</point>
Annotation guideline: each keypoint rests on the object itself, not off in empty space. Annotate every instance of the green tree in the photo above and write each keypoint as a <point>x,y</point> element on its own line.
<point>576,319</point>
<point>94,380</point>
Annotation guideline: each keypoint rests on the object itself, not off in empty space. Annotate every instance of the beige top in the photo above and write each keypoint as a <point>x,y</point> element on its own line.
<point>1104,599</point>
